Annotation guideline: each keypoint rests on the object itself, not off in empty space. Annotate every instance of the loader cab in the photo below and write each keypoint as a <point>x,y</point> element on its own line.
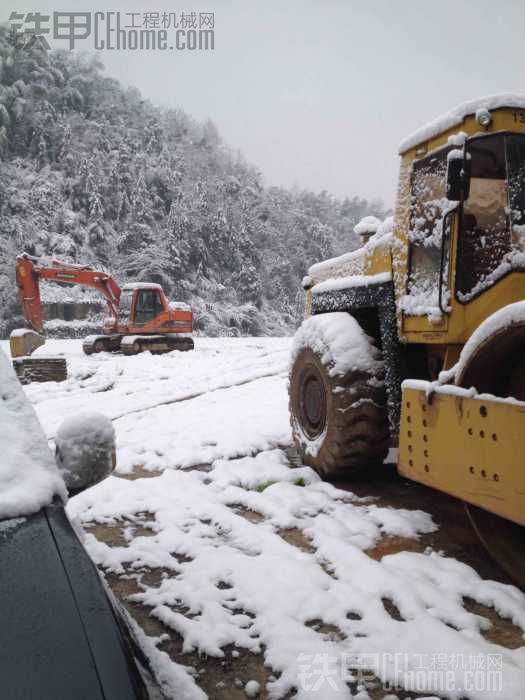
<point>491,240</point>
<point>464,213</point>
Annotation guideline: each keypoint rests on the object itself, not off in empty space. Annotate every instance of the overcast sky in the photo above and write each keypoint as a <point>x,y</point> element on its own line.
<point>319,93</point>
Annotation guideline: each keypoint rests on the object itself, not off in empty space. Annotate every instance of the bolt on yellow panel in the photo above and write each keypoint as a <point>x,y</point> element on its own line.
<point>469,447</point>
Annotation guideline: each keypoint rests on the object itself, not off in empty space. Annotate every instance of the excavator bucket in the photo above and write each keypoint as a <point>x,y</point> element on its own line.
<point>24,341</point>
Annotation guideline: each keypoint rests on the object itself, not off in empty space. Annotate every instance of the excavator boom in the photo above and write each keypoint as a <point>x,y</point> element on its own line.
<point>142,318</point>
<point>30,270</point>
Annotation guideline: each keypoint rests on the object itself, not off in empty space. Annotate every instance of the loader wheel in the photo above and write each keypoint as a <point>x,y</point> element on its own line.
<point>339,422</point>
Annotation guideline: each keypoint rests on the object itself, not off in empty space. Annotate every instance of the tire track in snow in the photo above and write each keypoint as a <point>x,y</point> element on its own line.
<point>189,397</point>
<point>197,394</point>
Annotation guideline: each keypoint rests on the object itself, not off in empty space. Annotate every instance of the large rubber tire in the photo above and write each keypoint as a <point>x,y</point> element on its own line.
<point>339,423</point>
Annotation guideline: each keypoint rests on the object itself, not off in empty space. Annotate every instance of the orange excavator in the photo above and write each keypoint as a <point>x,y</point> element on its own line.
<point>141,318</point>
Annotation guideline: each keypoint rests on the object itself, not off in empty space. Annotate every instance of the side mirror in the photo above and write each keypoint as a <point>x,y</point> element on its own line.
<point>458,176</point>
<point>85,451</point>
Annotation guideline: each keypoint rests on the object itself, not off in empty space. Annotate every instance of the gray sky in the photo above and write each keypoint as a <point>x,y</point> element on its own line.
<point>319,93</point>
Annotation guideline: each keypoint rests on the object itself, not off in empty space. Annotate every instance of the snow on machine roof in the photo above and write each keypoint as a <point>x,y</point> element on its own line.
<point>455,116</point>
<point>130,286</point>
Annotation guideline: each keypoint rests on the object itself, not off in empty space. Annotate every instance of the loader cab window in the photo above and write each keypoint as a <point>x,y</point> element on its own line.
<point>492,233</point>
<point>125,306</point>
<point>148,305</point>
<point>428,207</point>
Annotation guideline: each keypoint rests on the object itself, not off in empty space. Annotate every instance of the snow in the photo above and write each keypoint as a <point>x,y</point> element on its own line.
<point>455,116</point>
<point>423,301</point>
<point>456,154</point>
<point>368,224</point>
<point>229,581</point>
<point>442,386</point>
<point>29,478</point>
<point>130,286</point>
<point>174,399</point>
<point>513,260</point>
<point>306,282</point>
<point>252,689</point>
<point>50,292</point>
<point>174,679</point>
<point>75,324</point>
<point>457,139</point>
<point>352,263</point>
<point>85,446</point>
<point>179,306</point>
<point>336,283</point>
<point>340,341</point>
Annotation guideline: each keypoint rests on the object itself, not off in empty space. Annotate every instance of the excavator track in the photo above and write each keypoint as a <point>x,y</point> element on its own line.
<point>156,344</point>
<point>135,344</point>
<point>101,343</point>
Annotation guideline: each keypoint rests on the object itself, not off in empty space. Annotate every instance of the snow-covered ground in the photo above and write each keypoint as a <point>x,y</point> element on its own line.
<point>252,554</point>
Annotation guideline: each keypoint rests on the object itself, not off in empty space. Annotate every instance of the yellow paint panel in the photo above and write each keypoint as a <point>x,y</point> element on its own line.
<point>467,447</point>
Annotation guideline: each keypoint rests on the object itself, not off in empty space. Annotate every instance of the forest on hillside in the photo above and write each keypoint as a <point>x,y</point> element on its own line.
<point>90,172</point>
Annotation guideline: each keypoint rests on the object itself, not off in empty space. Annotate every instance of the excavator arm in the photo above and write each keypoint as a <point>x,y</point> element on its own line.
<point>30,270</point>
<point>162,328</point>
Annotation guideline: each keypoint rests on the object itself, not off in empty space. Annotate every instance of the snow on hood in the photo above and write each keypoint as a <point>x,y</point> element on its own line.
<point>383,233</point>
<point>456,116</point>
<point>29,478</point>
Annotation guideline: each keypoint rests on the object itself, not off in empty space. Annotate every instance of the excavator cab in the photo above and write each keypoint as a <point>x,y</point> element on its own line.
<point>148,305</point>
<point>141,304</point>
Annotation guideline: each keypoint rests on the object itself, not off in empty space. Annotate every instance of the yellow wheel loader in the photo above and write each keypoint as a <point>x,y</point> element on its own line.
<point>417,339</point>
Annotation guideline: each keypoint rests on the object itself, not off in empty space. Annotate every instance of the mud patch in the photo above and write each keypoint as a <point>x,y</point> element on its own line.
<point>252,515</point>
<point>139,472</point>
<point>392,609</point>
<point>120,533</point>
<point>394,545</point>
<point>503,631</point>
<point>332,633</point>
<point>297,538</point>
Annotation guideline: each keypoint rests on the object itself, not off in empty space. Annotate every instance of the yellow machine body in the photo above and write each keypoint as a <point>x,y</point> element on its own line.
<point>464,445</point>
<point>469,447</point>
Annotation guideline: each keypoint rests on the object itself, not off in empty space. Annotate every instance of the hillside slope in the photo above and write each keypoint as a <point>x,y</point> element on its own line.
<point>90,172</point>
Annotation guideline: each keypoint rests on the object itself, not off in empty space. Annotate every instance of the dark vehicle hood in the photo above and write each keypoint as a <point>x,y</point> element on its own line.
<point>59,636</point>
